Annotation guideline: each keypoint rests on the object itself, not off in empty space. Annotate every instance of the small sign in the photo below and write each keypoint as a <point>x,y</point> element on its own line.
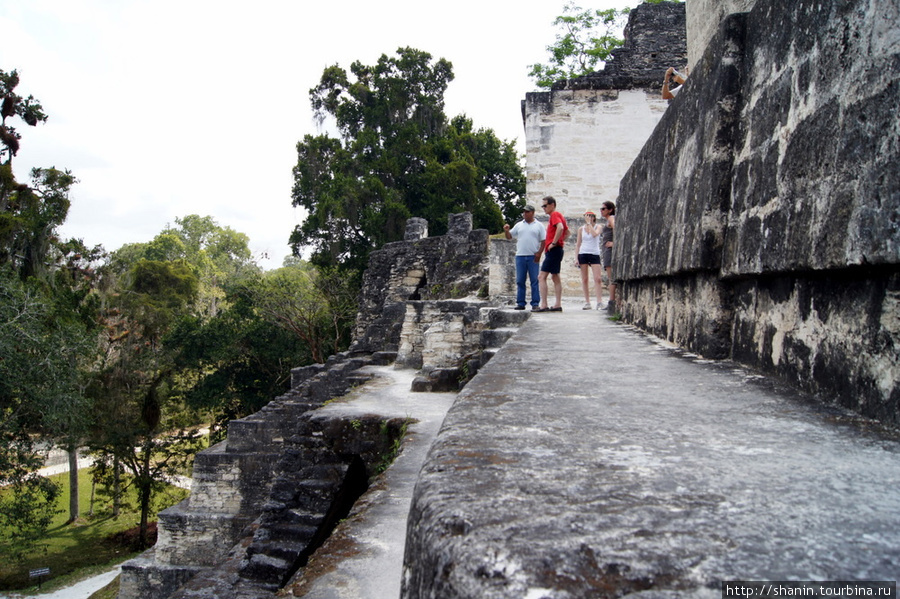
<point>38,572</point>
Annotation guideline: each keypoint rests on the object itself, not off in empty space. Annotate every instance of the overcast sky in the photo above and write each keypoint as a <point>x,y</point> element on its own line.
<point>164,108</point>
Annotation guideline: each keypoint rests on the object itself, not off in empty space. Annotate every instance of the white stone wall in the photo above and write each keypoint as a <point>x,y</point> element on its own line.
<point>502,269</point>
<point>703,19</point>
<point>579,145</point>
<point>435,337</point>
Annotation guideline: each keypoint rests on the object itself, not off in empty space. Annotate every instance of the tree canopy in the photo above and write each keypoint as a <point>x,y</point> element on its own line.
<point>47,329</point>
<point>12,104</point>
<point>586,39</point>
<point>397,156</point>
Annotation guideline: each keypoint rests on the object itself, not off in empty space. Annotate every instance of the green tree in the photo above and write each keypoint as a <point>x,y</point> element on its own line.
<point>272,322</point>
<point>12,104</point>
<point>397,156</point>
<point>138,421</point>
<point>215,254</point>
<point>29,215</point>
<point>586,39</point>
<point>47,328</point>
<point>313,304</point>
<point>41,367</point>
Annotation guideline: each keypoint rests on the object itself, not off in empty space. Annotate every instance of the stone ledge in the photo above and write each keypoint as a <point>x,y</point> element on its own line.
<point>660,477</point>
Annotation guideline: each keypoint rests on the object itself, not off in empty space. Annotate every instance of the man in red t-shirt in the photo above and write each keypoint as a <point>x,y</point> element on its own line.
<point>553,246</point>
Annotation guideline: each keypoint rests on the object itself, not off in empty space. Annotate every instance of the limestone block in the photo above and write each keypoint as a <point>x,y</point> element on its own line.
<point>759,222</point>
<point>409,352</point>
<point>838,334</point>
<point>502,269</point>
<point>416,228</point>
<point>144,577</point>
<point>188,536</point>
<point>460,225</point>
<point>798,202</point>
<point>703,20</point>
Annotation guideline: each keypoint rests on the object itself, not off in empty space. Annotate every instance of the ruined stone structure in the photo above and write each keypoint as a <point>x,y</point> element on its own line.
<point>262,500</point>
<point>761,221</point>
<point>582,136</point>
<point>266,497</point>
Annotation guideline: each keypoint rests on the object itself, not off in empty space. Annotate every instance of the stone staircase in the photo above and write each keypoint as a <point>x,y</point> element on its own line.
<point>265,498</point>
<point>224,521</point>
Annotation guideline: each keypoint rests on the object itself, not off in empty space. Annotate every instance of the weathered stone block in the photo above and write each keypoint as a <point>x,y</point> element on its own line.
<point>146,577</point>
<point>416,228</point>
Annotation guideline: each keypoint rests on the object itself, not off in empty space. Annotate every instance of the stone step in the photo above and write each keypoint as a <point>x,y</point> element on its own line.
<point>357,379</point>
<point>506,317</point>
<point>383,358</point>
<point>292,532</point>
<point>248,435</point>
<point>304,373</point>
<point>315,495</point>
<point>488,353</point>
<point>263,567</point>
<point>303,518</point>
<point>496,337</point>
<point>283,549</point>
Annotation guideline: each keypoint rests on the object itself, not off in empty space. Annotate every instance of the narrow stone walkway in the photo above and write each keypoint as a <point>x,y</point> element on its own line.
<point>364,555</point>
<point>587,460</point>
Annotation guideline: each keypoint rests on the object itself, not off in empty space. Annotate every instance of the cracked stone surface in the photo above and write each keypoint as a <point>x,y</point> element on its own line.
<point>586,459</point>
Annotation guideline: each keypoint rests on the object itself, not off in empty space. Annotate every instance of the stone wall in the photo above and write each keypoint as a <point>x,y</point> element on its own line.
<point>420,268</point>
<point>703,20</point>
<point>582,136</point>
<point>761,221</point>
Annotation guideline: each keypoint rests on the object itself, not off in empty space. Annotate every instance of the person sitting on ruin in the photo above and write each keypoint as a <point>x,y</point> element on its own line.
<point>671,73</point>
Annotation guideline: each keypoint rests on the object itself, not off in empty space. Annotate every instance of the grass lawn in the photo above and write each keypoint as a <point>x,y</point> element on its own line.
<point>88,546</point>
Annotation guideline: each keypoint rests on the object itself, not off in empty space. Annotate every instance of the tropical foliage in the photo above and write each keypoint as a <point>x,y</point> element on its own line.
<point>586,39</point>
<point>130,354</point>
<point>397,156</point>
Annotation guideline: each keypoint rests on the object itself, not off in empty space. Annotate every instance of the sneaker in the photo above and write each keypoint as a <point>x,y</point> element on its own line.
<point>586,306</point>
<point>611,307</point>
<point>599,306</point>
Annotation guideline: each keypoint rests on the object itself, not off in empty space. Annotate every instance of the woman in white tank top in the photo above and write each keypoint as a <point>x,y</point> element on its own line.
<point>587,257</point>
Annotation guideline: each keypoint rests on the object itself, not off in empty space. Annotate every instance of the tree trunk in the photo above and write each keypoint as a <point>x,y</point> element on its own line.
<point>145,485</point>
<point>73,482</point>
<point>117,487</point>
<point>93,489</point>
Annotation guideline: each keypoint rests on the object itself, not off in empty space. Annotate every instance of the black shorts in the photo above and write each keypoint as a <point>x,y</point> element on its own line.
<point>553,261</point>
<point>588,259</point>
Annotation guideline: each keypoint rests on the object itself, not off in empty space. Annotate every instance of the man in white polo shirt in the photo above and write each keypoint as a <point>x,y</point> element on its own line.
<point>529,235</point>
